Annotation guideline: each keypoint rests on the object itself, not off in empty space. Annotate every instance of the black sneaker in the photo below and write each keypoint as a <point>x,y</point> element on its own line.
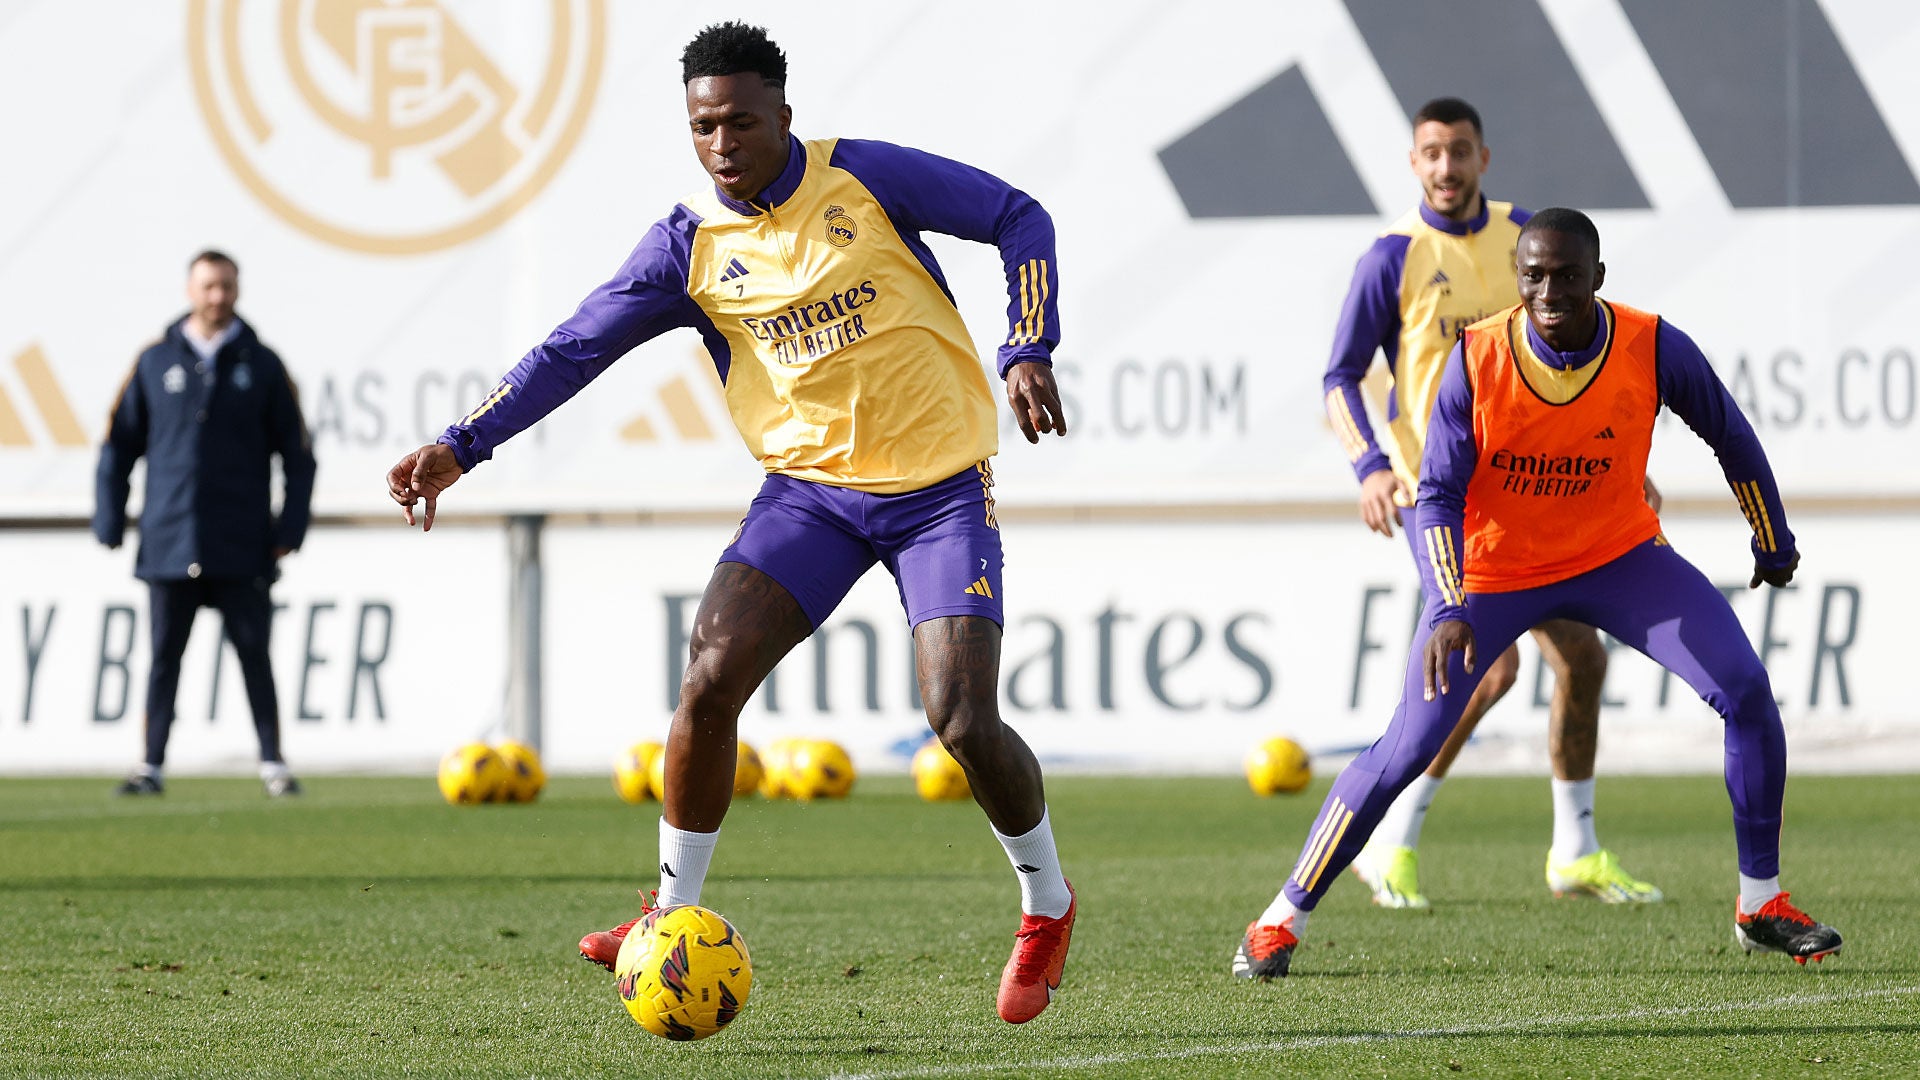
<point>141,784</point>
<point>282,786</point>
<point>1780,927</point>
<point>1265,952</point>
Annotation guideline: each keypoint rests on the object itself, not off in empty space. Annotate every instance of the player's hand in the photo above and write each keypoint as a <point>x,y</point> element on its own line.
<point>1380,495</point>
<point>1653,494</point>
<point>1448,638</point>
<point>281,553</point>
<point>1035,398</point>
<point>423,474</point>
<point>1776,576</point>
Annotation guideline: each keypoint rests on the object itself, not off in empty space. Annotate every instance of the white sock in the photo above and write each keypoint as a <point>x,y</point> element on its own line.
<point>1401,826</point>
<point>1281,910</point>
<point>1043,891</point>
<point>273,770</point>
<point>1755,892</point>
<point>1573,835</point>
<point>684,858</point>
<point>144,769</point>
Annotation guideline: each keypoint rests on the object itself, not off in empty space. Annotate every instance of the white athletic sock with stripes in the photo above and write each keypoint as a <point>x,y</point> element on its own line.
<point>1401,825</point>
<point>1573,835</point>
<point>1755,892</point>
<point>684,858</point>
<point>1280,911</point>
<point>1043,891</point>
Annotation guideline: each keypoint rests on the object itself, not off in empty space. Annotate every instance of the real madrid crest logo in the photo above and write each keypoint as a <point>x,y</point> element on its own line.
<point>839,227</point>
<point>395,126</point>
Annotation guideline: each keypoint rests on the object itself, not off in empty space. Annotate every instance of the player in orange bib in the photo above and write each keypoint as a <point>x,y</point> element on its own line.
<point>1531,508</point>
<point>1441,267</point>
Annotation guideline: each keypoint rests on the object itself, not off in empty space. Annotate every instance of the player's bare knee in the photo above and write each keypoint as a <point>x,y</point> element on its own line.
<point>714,683</point>
<point>1577,655</point>
<point>961,725</point>
<point>1501,675</point>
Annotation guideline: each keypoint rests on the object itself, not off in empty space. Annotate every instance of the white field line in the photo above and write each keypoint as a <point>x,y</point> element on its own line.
<point>1063,1064</point>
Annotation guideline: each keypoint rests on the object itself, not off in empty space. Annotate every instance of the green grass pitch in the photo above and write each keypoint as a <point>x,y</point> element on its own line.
<point>369,930</point>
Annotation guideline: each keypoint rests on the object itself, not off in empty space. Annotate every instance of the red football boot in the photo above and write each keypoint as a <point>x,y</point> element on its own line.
<point>1780,927</point>
<point>1033,971</point>
<point>603,946</point>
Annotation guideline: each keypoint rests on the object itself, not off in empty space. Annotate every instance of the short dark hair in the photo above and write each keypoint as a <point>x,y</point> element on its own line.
<point>1567,222</point>
<point>212,255</point>
<point>1450,110</point>
<point>732,48</point>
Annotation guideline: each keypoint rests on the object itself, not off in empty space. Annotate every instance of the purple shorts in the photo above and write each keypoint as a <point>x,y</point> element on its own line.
<point>941,544</point>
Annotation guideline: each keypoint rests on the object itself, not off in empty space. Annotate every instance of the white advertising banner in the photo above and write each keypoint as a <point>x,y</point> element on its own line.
<point>1163,646</point>
<point>416,192</point>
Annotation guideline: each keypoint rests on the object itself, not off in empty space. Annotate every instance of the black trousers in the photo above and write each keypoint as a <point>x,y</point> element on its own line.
<point>246,611</point>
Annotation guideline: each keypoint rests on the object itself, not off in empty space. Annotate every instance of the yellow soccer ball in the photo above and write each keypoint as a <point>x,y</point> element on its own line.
<point>657,776</point>
<point>630,772</point>
<point>1279,765</point>
<point>472,774</point>
<point>526,777</point>
<point>936,776</point>
<point>683,973</point>
<point>776,768</point>
<point>819,769</point>
<point>748,772</point>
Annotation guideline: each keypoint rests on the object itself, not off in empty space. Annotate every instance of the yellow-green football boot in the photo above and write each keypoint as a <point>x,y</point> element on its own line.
<point>1599,876</point>
<point>1393,874</point>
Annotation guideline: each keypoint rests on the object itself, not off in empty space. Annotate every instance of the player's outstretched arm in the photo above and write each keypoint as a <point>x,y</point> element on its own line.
<point>423,474</point>
<point>1448,638</point>
<point>1035,398</point>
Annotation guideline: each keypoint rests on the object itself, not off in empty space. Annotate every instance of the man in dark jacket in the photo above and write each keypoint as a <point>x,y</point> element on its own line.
<point>208,405</point>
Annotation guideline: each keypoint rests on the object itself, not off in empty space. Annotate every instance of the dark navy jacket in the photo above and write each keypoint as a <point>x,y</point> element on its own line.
<point>207,432</point>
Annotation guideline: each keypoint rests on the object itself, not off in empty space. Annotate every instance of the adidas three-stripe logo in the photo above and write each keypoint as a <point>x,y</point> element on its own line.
<point>735,269</point>
<point>1605,433</point>
<point>981,588</point>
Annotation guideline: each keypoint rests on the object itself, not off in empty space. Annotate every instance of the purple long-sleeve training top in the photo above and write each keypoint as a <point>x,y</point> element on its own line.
<point>1688,386</point>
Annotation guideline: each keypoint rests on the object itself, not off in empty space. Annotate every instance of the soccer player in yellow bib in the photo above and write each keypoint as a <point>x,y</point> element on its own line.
<point>1442,266</point>
<point>853,380</point>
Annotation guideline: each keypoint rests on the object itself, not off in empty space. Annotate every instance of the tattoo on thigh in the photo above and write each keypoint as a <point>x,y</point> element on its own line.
<point>961,649</point>
<point>745,605</point>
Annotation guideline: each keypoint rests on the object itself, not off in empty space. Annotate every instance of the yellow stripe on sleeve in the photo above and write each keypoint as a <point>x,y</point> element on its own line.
<point>1445,573</point>
<point>1764,531</point>
<point>499,393</point>
<point>1453,567</point>
<point>1040,309</point>
<point>1343,425</point>
<point>1019,335</point>
<point>1034,291</point>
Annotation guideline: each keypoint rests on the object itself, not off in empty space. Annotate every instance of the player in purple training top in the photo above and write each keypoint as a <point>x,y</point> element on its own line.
<point>852,378</point>
<point>1532,506</point>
